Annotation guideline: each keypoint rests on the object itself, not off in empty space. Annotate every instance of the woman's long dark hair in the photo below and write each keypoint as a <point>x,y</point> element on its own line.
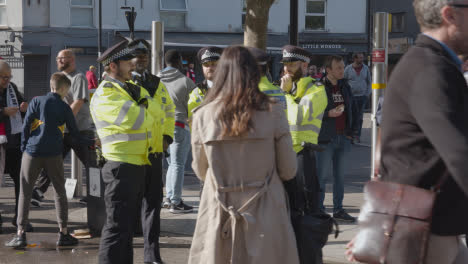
<point>236,87</point>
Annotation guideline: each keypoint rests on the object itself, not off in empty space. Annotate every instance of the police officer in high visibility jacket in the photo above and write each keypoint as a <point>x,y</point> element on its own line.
<point>124,115</point>
<point>162,136</point>
<point>306,102</point>
<point>208,57</point>
<point>265,85</point>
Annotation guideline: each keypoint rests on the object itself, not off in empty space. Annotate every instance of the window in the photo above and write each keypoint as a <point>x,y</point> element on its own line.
<point>173,13</point>
<point>3,13</point>
<point>82,13</point>
<point>315,14</point>
<point>397,23</point>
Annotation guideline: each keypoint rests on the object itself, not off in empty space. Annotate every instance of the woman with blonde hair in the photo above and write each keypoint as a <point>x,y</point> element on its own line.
<point>242,150</point>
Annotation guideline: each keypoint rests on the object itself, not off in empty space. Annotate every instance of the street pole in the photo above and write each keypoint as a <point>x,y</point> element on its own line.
<point>99,37</point>
<point>293,27</point>
<point>157,47</point>
<point>379,71</point>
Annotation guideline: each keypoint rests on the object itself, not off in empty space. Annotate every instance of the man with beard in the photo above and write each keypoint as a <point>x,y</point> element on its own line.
<point>78,99</point>
<point>162,136</point>
<point>12,108</point>
<point>358,76</point>
<point>306,101</point>
<point>208,58</point>
<point>125,115</point>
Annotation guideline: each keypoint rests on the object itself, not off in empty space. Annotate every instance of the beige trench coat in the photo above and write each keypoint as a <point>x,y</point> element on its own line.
<point>243,216</point>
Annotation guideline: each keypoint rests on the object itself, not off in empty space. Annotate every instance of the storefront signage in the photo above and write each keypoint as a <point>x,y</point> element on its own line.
<point>322,46</point>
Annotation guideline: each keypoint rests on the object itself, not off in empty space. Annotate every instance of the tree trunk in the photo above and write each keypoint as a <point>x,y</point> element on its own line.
<point>256,23</point>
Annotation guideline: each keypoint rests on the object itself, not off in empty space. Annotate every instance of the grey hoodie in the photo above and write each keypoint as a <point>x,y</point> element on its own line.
<point>179,88</point>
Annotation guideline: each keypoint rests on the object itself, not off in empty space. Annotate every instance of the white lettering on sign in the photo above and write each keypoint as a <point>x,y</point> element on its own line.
<point>322,46</point>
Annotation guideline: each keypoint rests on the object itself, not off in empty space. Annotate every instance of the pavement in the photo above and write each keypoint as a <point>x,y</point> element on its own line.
<point>176,230</point>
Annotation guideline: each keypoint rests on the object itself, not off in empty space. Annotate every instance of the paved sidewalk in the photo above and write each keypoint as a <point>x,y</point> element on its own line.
<point>177,230</point>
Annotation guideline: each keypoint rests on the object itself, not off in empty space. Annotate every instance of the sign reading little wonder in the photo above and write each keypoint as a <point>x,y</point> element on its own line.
<point>322,46</point>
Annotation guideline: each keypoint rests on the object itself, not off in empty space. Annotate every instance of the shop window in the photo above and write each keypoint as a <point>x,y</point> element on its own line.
<point>315,15</point>
<point>173,13</point>
<point>398,22</point>
<point>3,13</point>
<point>82,13</point>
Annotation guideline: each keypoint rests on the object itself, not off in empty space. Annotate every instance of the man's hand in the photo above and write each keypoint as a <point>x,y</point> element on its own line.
<point>10,111</point>
<point>24,107</point>
<point>97,142</point>
<point>335,112</point>
<point>286,83</point>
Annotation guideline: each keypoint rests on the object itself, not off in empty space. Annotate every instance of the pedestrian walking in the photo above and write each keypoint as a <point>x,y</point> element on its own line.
<point>91,77</point>
<point>124,115</point>
<point>336,135</point>
<point>242,149</point>
<point>179,88</point>
<point>424,128</point>
<point>12,108</point>
<point>359,77</point>
<point>78,100</point>
<point>41,144</point>
<point>162,137</point>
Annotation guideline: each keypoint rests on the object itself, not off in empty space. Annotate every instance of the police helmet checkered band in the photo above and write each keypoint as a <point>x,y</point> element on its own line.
<point>210,55</point>
<point>300,57</point>
<point>120,54</point>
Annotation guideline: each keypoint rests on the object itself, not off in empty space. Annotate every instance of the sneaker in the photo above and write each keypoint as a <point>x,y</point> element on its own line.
<point>29,227</point>
<point>18,241</point>
<point>167,203</point>
<point>180,208</point>
<point>342,215</point>
<point>37,197</point>
<point>66,240</point>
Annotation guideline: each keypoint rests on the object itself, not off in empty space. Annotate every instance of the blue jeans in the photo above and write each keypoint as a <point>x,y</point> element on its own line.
<point>178,151</point>
<point>333,155</point>
<point>359,104</point>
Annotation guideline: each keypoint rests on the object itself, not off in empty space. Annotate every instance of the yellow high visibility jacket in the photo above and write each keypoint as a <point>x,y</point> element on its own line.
<point>271,90</point>
<point>165,124</point>
<point>195,99</point>
<point>124,127</point>
<point>305,111</point>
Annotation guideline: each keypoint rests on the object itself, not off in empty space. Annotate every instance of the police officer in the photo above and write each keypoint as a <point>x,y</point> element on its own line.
<point>306,101</point>
<point>162,137</point>
<point>265,85</point>
<point>124,115</point>
<point>208,57</point>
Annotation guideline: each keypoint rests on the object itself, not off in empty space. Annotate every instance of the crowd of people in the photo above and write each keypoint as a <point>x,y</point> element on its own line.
<point>262,152</point>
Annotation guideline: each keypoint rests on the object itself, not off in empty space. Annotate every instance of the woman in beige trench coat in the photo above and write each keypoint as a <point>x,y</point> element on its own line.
<point>242,150</point>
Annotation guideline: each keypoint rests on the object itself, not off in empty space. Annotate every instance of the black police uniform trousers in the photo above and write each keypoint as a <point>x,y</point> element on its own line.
<point>151,208</point>
<point>303,192</point>
<point>13,168</point>
<point>123,194</point>
<point>81,151</point>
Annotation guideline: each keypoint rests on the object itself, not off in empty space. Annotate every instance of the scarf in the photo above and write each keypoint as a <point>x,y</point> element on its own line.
<point>15,121</point>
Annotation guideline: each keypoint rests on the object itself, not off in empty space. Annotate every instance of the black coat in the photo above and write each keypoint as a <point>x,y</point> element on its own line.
<point>328,129</point>
<point>424,131</point>
<point>14,141</point>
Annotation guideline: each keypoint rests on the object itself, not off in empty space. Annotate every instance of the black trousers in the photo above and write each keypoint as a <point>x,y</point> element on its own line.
<point>123,194</point>
<point>81,151</point>
<point>151,208</point>
<point>13,168</point>
<point>303,190</point>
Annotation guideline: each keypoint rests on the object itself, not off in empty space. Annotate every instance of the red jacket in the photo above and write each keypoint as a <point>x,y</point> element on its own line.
<point>92,80</point>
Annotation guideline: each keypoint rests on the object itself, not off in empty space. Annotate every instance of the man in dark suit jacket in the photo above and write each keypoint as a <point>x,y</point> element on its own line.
<point>425,125</point>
